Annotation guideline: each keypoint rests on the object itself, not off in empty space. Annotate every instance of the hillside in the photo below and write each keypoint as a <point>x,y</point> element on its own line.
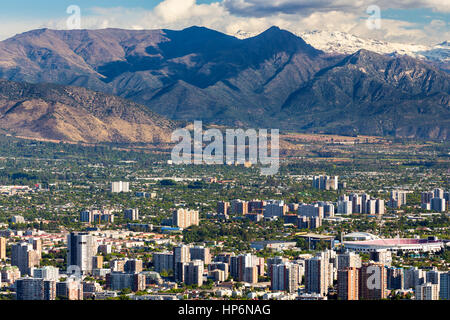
<point>48,111</point>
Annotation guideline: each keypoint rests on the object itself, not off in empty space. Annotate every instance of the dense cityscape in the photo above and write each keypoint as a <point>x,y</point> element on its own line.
<point>133,226</point>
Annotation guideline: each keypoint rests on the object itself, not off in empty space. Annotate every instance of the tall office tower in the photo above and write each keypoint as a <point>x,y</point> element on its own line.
<point>163,261</point>
<point>427,291</point>
<point>239,207</point>
<point>70,289</point>
<point>184,218</point>
<point>275,208</point>
<point>438,204</point>
<point>372,281</point>
<point>382,256</point>
<point>131,214</point>
<point>316,275</point>
<point>438,193</point>
<point>133,266</point>
<point>444,288</point>
<point>414,277</point>
<point>81,247</point>
<point>395,278</point>
<point>181,255</point>
<point>35,289</point>
<point>46,273</point>
<point>223,266</point>
<point>24,257</point>
<point>398,198</point>
<point>200,253</point>
<point>433,276</point>
<point>348,260</point>
<point>380,209</point>
<point>2,248</point>
<point>97,262</point>
<point>285,277</point>
<point>256,206</point>
<point>425,197</point>
<point>193,272</point>
<point>223,207</point>
<point>348,284</point>
<point>120,186</point>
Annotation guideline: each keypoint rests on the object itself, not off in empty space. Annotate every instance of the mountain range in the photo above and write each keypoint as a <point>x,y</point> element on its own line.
<point>273,80</point>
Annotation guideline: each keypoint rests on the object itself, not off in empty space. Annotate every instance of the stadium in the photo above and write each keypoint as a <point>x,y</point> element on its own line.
<point>396,244</point>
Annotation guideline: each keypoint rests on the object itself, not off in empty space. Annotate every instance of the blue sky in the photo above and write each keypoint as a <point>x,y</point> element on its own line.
<point>412,21</point>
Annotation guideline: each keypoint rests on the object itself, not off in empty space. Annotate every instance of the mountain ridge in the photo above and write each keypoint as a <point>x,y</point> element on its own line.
<point>202,74</point>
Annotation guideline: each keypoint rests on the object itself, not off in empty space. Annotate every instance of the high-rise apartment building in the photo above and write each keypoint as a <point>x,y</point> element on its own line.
<point>348,260</point>
<point>70,289</point>
<point>2,248</point>
<point>193,272</point>
<point>372,281</point>
<point>120,186</point>
<point>24,257</point>
<point>317,275</point>
<point>325,182</point>
<point>285,277</point>
<point>46,273</point>
<point>275,208</point>
<point>348,283</point>
<point>427,291</point>
<point>444,286</point>
<point>131,214</point>
<point>35,289</point>
<point>125,280</point>
<point>163,261</point>
<point>181,254</point>
<point>223,207</point>
<point>200,253</point>
<point>184,218</point>
<point>239,207</point>
<point>398,198</point>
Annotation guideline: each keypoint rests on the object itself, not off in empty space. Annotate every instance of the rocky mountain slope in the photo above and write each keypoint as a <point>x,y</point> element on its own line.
<point>48,111</point>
